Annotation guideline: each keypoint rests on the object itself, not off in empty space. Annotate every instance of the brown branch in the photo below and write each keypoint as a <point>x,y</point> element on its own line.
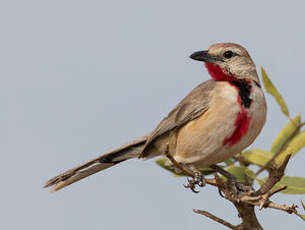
<point>247,213</point>
<point>271,161</point>
<point>283,207</point>
<point>243,198</point>
<point>277,190</point>
<point>262,201</point>
<point>265,198</point>
<point>290,209</point>
<point>244,203</point>
<point>215,218</point>
<point>275,175</point>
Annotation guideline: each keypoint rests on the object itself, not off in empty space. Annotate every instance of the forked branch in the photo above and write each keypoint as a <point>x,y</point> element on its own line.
<point>246,200</point>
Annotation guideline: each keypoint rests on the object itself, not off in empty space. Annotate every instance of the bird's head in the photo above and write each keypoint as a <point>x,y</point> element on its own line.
<point>228,62</point>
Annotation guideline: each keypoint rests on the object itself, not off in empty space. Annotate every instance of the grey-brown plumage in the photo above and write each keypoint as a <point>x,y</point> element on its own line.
<point>104,161</point>
<point>192,106</point>
<point>216,120</point>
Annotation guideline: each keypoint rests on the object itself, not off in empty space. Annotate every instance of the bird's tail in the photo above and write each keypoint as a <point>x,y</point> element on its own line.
<point>102,162</point>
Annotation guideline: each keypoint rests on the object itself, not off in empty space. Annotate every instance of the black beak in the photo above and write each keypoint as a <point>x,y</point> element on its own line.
<point>205,56</point>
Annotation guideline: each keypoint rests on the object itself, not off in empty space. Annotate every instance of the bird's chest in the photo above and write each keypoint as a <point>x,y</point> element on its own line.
<point>245,106</point>
<point>231,123</point>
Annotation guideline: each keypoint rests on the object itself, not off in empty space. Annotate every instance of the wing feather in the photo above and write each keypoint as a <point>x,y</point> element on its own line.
<point>191,107</point>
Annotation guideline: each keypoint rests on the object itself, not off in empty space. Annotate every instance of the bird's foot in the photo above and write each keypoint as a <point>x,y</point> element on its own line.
<point>198,179</point>
<point>236,187</point>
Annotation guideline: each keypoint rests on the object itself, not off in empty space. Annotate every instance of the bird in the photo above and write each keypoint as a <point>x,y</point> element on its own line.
<point>216,120</point>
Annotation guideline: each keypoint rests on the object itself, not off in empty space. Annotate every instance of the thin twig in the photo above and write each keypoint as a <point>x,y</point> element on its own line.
<point>217,219</point>
<point>277,190</point>
<point>265,197</point>
<point>275,176</point>
<point>284,207</point>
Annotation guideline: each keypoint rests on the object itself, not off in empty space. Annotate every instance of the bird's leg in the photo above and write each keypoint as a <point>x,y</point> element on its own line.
<point>223,172</point>
<point>232,181</point>
<point>197,177</point>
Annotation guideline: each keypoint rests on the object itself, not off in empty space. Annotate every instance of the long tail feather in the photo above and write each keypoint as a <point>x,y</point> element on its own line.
<point>126,152</point>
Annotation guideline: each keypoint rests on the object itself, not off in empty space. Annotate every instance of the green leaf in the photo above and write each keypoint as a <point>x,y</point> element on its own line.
<point>239,172</point>
<point>295,145</point>
<point>295,185</point>
<point>270,88</point>
<point>163,162</point>
<point>303,205</point>
<point>285,134</point>
<point>257,156</point>
<point>229,162</point>
<point>254,177</point>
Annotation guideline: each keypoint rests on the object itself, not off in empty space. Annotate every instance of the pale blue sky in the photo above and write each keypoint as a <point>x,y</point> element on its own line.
<point>81,77</point>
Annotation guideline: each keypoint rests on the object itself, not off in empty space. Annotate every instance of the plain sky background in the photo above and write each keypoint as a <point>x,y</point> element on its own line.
<point>79,78</point>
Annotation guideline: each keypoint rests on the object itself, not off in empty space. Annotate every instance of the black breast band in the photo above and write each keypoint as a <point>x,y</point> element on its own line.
<point>244,92</point>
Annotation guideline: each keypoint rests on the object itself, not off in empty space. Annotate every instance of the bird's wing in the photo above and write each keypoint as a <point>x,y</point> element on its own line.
<point>191,107</point>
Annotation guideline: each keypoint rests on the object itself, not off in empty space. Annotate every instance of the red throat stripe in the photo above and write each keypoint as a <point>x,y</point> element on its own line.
<point>218,74</point>
<point>242,120</point>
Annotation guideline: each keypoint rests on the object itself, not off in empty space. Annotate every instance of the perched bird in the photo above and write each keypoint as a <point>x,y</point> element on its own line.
<point>217,119</point>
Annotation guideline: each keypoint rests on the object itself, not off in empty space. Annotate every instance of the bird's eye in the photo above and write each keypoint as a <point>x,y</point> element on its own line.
<point>228,54</point>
